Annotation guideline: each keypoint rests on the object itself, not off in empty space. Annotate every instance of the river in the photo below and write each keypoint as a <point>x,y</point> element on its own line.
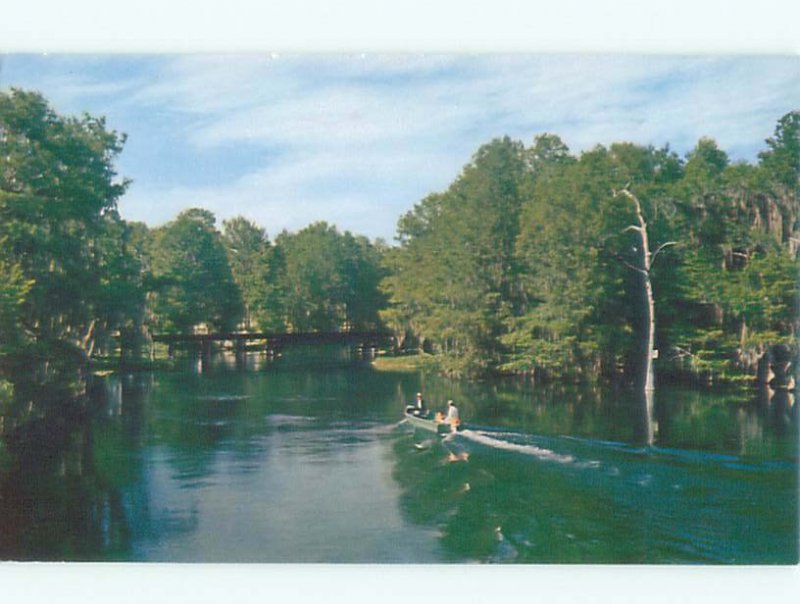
<point>309,462</point>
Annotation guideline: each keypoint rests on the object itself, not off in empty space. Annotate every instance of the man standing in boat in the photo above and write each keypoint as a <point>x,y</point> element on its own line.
<point>452,414</point>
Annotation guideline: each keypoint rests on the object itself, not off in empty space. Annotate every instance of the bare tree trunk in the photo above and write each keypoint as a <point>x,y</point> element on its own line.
<point>648,380</point>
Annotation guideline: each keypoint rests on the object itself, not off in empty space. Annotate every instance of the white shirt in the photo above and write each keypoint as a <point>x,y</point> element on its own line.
<point>452,413</point>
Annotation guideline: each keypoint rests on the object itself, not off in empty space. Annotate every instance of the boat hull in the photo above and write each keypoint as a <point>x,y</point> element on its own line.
<point>430,425</point>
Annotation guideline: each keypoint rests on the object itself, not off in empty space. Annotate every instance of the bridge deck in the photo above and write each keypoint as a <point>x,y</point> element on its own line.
<point>280,339</point>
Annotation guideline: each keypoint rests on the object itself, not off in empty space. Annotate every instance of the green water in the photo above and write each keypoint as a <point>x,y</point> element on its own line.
<point>307,462</point>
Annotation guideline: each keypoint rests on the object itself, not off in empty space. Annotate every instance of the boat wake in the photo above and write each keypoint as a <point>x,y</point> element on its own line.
<point>612,457</point>
<point>485,439</point>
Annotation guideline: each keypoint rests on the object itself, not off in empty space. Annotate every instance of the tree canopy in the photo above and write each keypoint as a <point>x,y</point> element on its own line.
<point>67,276</point>
<point>192,279</point>
<point>329,280</point>
<point>522,264</point>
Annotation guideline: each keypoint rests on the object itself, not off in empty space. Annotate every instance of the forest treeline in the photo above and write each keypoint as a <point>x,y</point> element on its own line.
<point>531,262</point>
<point>526,263</point>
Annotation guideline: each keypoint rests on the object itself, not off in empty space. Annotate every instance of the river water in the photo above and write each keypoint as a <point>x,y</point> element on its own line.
<point>309,462</point>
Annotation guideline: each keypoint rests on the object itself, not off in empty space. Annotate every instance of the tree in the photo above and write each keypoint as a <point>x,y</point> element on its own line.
<point>192,279</point>
<point>644,269</point>
<point>13,290</point>
<point>455,280</point>
<point>739,265</point>
<point>782,158</point>
<point>251,258</point>
<point>780,164</point>
<point>571,321</point>
<point>58,195</point>
<point>329,280</point>
<point>548,152</point>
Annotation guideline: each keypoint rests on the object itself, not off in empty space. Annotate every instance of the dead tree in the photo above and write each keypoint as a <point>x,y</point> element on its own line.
<point>646,259</point>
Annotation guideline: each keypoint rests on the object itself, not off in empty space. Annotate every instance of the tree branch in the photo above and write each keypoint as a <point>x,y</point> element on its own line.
<point>639,216</point>
<point>632,267</point>
<point>624,189</point>
<point>661,247</point>
<point>681,353</point>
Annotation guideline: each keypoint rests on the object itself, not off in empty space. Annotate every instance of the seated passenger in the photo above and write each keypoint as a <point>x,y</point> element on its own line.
<point>420,405</point>
<point>418,408</point>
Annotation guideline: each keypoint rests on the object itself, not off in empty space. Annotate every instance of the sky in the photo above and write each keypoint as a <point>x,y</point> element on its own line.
<point>358,139</point>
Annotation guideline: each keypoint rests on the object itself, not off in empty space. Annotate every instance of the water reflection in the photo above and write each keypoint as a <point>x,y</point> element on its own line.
<point>645,427</point>
<point>69,502</point>
<point>589,501</point>
<point>275,461</point>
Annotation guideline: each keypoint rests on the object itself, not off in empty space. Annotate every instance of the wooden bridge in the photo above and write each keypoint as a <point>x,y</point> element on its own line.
<point>277,341</point>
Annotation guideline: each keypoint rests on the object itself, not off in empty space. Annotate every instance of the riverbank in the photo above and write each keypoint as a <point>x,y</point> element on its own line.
<point>107,365</point>
<point>729,385</point>
<point>406,363</point>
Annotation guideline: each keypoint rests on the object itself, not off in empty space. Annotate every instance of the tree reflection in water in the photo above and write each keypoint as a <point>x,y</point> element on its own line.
<point>176,465</point>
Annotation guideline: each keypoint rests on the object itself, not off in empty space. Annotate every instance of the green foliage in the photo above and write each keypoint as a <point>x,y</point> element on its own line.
<point>782,159</point>
<point>67,276</point>
<point>706,160</point>
<point>328,280</point>
<point>524,263</point>
<point>737,312</point>
<point>191,277</point>
<point>255,265</point>
<point>13,290</point>
<point>582,310</point>
<point>452,282</point>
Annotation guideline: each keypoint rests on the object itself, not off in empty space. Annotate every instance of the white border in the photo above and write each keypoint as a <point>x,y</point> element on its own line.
<point>677,26</point>
<point>654,26</point>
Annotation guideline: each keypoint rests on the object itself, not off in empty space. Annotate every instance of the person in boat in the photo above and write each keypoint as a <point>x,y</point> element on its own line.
<point>419,404</point>
<point>452,414</point>
<point>418,408</point>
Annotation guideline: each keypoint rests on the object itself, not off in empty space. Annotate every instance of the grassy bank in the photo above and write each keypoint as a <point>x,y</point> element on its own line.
<point>409,363</point>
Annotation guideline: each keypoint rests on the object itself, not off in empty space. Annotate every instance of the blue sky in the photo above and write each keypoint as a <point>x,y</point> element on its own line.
<point>358,139</point>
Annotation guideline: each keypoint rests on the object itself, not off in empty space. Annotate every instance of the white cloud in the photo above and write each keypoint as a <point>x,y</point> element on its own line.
<point>360,192</point>
<point>321,104</point>
<point>357,140</point>
<point>363,139</point>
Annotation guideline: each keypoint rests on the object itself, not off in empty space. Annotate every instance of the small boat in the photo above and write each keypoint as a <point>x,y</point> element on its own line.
<point>432,424</point>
